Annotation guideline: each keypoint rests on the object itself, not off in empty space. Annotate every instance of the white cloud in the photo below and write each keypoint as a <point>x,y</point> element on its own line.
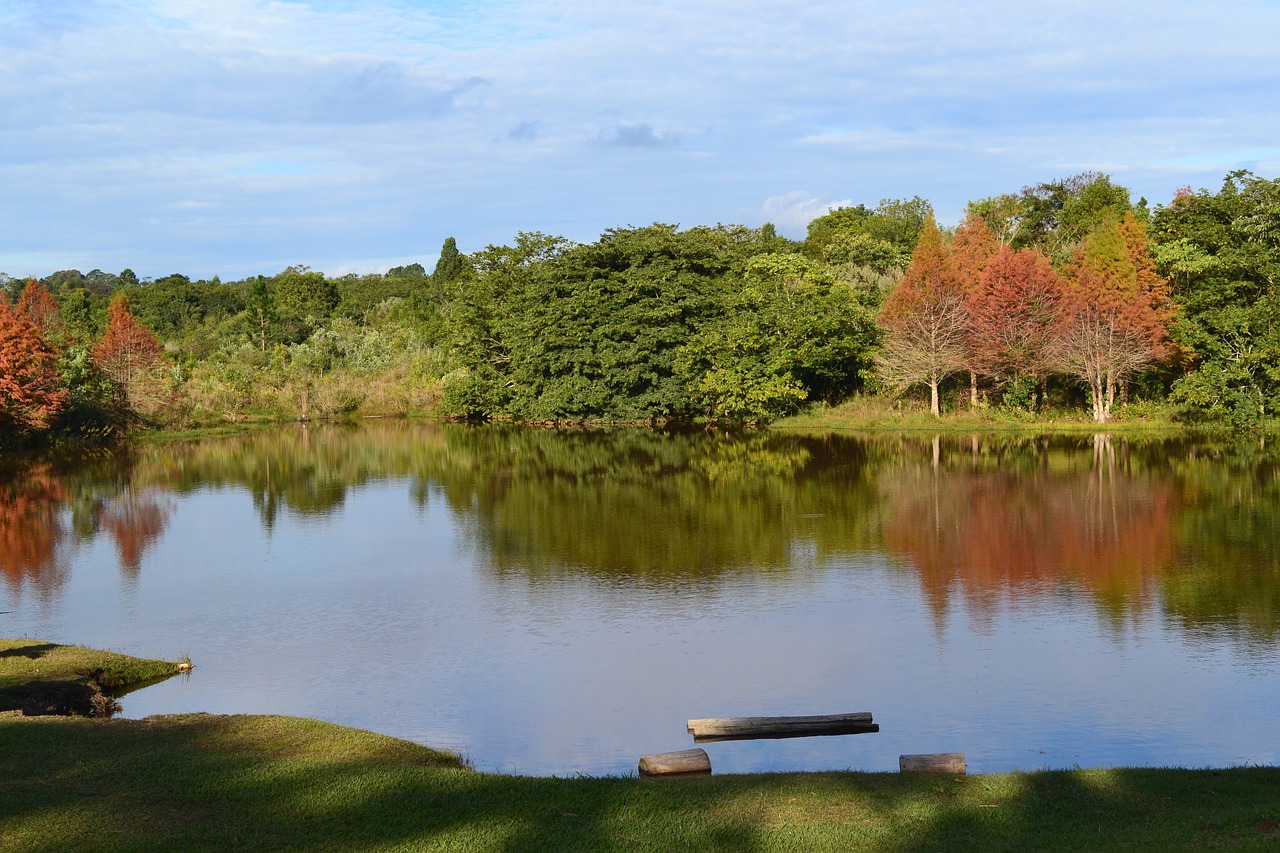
<point>328,130</point>
<point>792,212</point>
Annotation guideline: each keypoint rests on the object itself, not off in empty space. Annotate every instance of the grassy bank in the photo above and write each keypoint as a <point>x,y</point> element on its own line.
<point>202,782</point>
<point>256,783</point>
<point>47,678</point>
<point>882,414</point>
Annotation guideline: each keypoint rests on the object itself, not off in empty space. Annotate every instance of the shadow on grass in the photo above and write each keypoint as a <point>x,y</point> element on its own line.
<point>35,651</point>
<point>213,783</point>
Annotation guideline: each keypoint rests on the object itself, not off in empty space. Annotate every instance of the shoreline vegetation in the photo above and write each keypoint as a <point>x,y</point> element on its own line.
<point>204,782</point>
<point>1066,301</point>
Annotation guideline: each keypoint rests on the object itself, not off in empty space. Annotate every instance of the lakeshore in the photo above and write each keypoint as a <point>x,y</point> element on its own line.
<point>207,782</point>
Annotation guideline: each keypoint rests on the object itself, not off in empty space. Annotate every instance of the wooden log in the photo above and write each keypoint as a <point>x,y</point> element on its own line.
<point>751,728</point>
<point>941,762</point>
<point>685,762</point>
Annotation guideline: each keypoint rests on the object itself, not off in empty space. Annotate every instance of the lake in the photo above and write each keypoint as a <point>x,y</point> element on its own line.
<point>561,602</point>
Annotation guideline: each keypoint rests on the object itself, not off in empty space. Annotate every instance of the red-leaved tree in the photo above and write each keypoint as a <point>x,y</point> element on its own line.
<point>972,248</point>
<point>31,390</point>
<point>1013,315</point>
<point>129,355</point>
<point>924,320</point>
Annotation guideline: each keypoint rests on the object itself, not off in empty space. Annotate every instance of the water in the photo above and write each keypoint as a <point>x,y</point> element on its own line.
<point>557,603</point>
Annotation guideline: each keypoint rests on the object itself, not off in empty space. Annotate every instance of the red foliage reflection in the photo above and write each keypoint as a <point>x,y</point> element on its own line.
<point>995,533</point>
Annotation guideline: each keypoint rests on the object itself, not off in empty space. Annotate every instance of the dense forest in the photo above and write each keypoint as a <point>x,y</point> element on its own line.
<point>1067,299</point>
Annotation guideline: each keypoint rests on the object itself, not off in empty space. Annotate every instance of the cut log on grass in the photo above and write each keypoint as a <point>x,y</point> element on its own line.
<point>941,762</point>
<point>685,762</point>
<point>751,728</point>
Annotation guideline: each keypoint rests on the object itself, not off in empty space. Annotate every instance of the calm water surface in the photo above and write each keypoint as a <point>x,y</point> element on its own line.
<point>562,602</point>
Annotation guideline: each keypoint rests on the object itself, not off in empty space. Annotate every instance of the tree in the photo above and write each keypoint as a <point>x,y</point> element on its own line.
<point>792,332</point>
<point>129,354</point>
<point>37,306</point>
<point>305,298</point>
<point>972,247</point>
<point>31,390</point>
<point>881,239</point>
<point>924,320</point>
<point>1116,312</point>
<point>1221,252</point>
<point>452,264</point>
<point>1013,315</point>
<point>1056,215</point>
<point>261,313</point>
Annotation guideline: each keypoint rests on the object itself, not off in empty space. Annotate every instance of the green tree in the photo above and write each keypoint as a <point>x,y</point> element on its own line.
<point>452,264</point>
<point>260,312</point>
<point>793,331</point>
<point>881,238</point>
<point>304,298</point>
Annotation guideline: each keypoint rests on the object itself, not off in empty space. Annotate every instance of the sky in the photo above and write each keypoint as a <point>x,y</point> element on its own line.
<point>239,137</point>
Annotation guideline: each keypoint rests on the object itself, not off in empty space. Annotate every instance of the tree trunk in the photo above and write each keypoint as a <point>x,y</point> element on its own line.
<point>973,389</point>
<point>933,398</point>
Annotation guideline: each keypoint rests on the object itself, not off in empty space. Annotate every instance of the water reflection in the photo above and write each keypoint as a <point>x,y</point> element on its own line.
<point>1133,525</point>
<point>1017,519</point>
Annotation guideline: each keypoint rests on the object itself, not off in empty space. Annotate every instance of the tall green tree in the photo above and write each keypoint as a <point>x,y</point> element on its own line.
<point>1221,252</point>
<point>260,312</point>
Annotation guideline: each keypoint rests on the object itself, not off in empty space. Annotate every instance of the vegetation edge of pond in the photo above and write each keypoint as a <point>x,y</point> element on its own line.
<point>73,783</point>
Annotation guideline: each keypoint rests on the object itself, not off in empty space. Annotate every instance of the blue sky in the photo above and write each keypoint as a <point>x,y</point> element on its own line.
<point>237,137</point>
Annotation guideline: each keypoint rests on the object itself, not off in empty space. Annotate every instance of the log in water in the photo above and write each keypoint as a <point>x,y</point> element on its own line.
<point>751,728</point>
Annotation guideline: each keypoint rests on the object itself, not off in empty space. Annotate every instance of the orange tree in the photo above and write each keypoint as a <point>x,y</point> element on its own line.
<point>129,354</point>
<point>31,390</point>
<point>1115,313</point>
<point>924,320</point>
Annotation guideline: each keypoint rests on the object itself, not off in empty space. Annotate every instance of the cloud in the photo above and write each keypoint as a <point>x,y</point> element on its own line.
<point>523,132</point>
<point>793,211</point>
<point>632,136</point>
<point>328,130</point>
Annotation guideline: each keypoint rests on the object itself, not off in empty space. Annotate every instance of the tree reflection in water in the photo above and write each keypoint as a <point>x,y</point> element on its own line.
<point>1133,524</point>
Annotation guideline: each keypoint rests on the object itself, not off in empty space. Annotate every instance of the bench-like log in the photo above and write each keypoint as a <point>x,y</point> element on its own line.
<point>751,728</point>
<point>941,762</point>
<point>685,762</point>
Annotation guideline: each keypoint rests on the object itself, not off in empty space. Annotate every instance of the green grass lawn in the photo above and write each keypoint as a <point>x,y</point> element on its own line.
<point>201,782</point>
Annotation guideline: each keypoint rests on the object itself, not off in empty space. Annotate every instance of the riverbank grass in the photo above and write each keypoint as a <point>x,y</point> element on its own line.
<point>202,782</point>
<point>883,414</point>
<point>47,678</point>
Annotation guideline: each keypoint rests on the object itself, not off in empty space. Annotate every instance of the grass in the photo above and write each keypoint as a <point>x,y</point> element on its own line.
<point>202,782</point>
<point>46,678</point>
<point>875,414</point>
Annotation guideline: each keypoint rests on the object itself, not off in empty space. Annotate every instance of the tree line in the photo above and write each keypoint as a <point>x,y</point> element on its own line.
<point>1065,295</point>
